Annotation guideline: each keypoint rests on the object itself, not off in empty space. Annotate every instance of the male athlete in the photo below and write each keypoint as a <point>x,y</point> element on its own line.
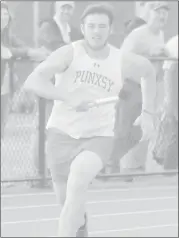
<point>80,137</point>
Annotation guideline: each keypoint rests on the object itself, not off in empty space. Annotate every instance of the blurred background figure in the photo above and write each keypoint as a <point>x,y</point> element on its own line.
<point>11,48</point>
<point>148,41</point>
<point>59,31</point>
<point>141,16</point>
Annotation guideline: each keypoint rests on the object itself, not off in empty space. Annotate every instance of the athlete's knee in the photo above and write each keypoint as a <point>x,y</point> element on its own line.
<point>84,169</point>
<point>87,162</point>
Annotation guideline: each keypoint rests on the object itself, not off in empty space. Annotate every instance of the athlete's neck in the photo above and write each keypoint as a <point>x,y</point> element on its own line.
<point>101,53</point>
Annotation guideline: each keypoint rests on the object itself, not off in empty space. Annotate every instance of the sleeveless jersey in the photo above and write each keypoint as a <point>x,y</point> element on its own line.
<point>87,79</point>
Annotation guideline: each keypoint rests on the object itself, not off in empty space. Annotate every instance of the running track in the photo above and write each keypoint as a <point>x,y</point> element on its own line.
<point>131,211</point>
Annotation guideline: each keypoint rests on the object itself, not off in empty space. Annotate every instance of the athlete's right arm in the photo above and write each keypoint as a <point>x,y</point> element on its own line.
<point>39,81</point>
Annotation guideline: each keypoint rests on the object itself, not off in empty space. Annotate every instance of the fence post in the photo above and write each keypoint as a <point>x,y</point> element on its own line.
<point>42,138</point>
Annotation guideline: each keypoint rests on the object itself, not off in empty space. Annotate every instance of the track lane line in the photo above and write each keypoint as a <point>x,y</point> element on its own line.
<point>133,229</point>
<point>92,202</point>
<point>93,191</point>
<point>93,216</point>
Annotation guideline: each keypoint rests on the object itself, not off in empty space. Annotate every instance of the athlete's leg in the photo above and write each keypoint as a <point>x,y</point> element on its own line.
<point>59,175</point>
<point>83,170</point>
<point>59,153</point>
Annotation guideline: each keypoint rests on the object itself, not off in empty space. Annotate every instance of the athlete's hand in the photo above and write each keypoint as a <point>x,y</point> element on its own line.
<point>85,106</point>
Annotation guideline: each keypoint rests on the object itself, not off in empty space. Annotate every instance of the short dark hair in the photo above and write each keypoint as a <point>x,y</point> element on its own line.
<point>99,8</point>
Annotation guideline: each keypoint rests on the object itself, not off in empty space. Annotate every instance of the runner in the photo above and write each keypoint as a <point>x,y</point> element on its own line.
<point>80,138</point>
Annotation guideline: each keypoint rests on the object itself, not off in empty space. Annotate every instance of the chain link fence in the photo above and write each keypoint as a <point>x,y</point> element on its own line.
<point>23,144</point>
<point>19,146</point>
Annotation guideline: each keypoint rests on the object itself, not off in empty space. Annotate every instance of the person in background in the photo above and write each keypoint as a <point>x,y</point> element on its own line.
<point>58,31</point>
<point>134,132</point>
<point>147,41</point>
<point>141,16</point>
<point>11,48</point>
<point>166,146</point>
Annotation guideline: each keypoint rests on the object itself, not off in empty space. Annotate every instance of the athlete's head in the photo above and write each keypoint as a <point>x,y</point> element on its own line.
<point>64,10</point>
<point>96,25</point>
<point>158,14</point>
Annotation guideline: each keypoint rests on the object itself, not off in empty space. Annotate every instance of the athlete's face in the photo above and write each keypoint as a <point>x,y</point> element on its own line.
<point>159,17</point>
<point>96,30</point>
<point>4,18</point>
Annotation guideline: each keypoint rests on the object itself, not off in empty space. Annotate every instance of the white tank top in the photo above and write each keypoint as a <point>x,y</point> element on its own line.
<point>88,79</point>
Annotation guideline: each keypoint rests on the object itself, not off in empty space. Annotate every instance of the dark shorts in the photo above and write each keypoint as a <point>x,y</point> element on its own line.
<point>62,149</point>
<point>128,109</point>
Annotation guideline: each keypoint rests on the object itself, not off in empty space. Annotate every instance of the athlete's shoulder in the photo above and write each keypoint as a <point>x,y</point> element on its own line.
<point>78,42</point>
<point>114,50</point>
<point>78,48</point>
<point>62,55</point>
<point>66,49</point>
<point>113,47</point>
<point>116,53</point>
<point>116,56</point>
